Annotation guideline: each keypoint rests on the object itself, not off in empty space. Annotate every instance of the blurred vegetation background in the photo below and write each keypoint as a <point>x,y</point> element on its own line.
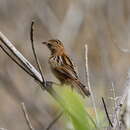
<point>102,24</point>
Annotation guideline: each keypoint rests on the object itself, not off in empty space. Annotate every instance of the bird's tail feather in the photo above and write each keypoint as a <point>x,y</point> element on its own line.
<point>83,89</point>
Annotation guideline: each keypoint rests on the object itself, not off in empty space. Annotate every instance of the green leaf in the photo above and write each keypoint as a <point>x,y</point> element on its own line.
<point>74,106</point>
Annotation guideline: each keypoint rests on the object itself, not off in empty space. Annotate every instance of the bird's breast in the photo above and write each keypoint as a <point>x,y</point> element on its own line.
<point>55,61</point>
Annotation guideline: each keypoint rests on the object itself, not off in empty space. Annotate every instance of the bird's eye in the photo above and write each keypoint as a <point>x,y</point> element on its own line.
<point>49,45</point>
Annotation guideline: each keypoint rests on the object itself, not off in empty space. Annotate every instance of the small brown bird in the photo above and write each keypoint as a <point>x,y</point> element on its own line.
<point>62,66</point>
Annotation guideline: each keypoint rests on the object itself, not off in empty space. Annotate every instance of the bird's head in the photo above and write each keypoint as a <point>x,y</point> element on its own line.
<point>54,45</point>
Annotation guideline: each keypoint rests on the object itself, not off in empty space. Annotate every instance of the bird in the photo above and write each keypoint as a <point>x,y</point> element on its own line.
<point>62,66</point>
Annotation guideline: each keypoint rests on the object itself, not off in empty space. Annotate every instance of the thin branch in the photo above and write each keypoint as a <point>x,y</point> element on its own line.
<point>21,58</point>
<point>54,121</point>
<point>34,52</point>
<point>109,120</point>
<point>26,116</point>
<point>88,83</point>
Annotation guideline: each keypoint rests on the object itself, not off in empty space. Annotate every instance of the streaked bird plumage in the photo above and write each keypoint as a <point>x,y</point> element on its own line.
<point>62,66</point>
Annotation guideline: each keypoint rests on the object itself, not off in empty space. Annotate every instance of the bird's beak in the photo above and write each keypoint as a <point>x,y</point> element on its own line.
<point>45,43</point>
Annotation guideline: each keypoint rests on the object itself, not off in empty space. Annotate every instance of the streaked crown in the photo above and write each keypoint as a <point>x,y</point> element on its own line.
<point>55,42</point>
<point>54,45</point>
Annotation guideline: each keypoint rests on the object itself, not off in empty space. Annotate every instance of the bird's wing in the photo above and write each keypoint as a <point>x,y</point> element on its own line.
<point>65,64</point>
<point>66,72</point>
<point>70,65</point>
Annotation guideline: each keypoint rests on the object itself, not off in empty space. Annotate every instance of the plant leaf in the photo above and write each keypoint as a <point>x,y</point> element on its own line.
<point>74,107</point>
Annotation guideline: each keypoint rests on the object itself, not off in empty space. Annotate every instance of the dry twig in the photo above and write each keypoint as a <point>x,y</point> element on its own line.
<point>109,120</point>
<point>88,83</point>
<point>34,52</point>
<point>55,120</point>
<point>26,116</point>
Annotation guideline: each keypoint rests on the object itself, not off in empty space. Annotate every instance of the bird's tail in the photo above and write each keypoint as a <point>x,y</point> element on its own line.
<point>83,89</point>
